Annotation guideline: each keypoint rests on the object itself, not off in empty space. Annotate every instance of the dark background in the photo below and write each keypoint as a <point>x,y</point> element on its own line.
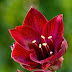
<point>12,14</point>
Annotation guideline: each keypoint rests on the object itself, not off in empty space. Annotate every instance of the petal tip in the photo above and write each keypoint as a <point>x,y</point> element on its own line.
<point>60,16</point>
<point>10,30</point>
<point>31,8</point>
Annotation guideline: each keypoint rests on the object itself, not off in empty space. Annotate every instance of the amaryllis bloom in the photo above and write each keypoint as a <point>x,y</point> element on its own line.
<point>39,43</point>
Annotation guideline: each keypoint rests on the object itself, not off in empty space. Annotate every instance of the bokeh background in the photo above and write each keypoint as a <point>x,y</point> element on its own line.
<point>12,14</point>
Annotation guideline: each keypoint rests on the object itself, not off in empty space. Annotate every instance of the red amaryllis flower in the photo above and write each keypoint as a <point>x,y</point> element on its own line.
<point>39,43</point>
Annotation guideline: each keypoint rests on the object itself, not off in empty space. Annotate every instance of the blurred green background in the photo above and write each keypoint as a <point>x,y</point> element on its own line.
<point>12,14</point>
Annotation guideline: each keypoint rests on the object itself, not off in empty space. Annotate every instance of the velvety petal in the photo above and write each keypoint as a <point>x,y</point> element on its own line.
<point>25,35</point>
<point>37,52</point>
<point>55,29</point>
<point>45,66</point>
<point>35,19</point>
<point>57,64</point>
<point>34,67</point>
<point>20,55</point>
<point>27,67</point>
<point>34,58</point>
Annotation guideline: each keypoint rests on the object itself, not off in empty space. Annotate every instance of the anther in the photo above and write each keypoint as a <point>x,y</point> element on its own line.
<point>33,41</point>
<point>42,37</point>
<point>51,53</point>
<point>44,44</point>
<point>40,46</point>
<point>49,37</point>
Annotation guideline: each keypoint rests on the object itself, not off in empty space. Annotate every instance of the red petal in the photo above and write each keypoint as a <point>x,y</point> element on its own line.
<point>36,51</point>
<point>20,55</point>
<point>45,66</point>
<point>27,67</point>
<point>55,29</point>
<point>57,64</point>
<point>35,19</point>
<point>24,35</point>
<point>34,67</point>
<point>34,58</point>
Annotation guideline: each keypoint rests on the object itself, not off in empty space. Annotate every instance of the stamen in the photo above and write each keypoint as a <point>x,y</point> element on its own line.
<point>42,37</point>
<point>40,46</point>
<point>46,47</point>
<point>51,53</point>
<point>33,41</point>
<point>49,37</point>
<point>44,44</point>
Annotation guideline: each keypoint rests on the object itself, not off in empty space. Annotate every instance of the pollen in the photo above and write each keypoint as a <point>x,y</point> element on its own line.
<point>42,37</point>
<point>44,44</point>
<point>51,52</point>
<point>40,46</point>
<point>33,41</point>
<point>49,37</point>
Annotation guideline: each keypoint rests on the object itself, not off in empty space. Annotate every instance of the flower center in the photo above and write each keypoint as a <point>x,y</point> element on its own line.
<point>45,44</point>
